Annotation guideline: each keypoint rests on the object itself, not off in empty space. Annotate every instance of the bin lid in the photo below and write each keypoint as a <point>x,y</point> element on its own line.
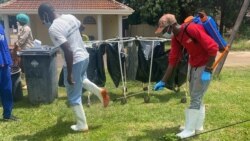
<point>43,50</point>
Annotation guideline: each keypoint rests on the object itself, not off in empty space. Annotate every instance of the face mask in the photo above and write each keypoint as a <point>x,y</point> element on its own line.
<point>167,35</point>
<point>18,26</point>
<point>47,24</point>
<point>46,18</point>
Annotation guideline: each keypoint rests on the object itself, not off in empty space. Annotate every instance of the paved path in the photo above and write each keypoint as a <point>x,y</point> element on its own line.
<point>238,59</point>
<point>234,59</point>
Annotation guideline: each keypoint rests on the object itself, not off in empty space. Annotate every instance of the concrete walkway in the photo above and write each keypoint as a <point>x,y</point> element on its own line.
<point>238,59</point>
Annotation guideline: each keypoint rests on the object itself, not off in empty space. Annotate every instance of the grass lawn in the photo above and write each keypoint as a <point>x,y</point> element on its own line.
<point>241,45</point>
<point>227,102</point>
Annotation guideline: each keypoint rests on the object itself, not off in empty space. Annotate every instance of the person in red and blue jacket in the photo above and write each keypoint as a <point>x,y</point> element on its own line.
<point>202,50</point>
<point>5,77</point>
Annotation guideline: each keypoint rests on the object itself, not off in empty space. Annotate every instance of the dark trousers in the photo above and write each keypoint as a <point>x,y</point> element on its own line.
<point>6,91</point>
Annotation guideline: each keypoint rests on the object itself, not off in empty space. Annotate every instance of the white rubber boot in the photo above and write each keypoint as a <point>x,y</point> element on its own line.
<point>101,93</point>
<point>81,122</point>
<point>190,123</point>
<point>200,121</point>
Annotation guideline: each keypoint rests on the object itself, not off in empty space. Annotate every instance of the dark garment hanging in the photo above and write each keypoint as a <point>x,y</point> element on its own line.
<point>179,75</point>
<point>144,60</point>
<point>113,63</point>
<point>159,66</point>
<point>95,70</point>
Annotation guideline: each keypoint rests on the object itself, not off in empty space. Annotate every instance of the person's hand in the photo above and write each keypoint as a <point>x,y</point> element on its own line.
<point>159,86</point>
<point>70,79</point>
<point>205,76</point>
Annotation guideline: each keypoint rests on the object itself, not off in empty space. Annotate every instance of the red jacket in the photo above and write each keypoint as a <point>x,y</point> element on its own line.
<point>199,46</point>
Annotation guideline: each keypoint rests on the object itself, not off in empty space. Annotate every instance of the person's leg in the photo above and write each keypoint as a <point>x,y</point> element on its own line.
<point>197,88</point>
<point>6,92</point>
<point>195,114</point>
<point>74,93</point>
<point>101,93</point>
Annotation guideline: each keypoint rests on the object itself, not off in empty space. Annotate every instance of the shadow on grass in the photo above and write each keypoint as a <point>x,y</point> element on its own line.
<point>154,98</point>
<point>25,103</point>
<point>57,132</point>
<point>155,135</point>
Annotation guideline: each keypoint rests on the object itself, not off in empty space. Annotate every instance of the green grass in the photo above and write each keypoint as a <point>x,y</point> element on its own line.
<point>241,45</point>
<point>227,102</point>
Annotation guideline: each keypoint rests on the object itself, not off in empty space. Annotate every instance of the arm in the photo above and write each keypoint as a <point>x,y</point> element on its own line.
<point>168,73</point>
<point>23,37</point>
<point>209,64</point>
<point>174,54</point>
<point>68,54</point>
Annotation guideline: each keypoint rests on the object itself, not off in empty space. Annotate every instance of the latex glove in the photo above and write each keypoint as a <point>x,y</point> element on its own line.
<point>205,76</point>
<point>159,86</point>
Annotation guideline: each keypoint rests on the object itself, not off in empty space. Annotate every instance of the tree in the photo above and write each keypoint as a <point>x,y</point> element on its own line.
<point>149,11</point>
<point>237,24</point>
<point>229,10</point>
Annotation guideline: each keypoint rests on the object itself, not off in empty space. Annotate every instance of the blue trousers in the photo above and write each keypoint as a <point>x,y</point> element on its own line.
<point>74,92</point>
<point>6,91</point>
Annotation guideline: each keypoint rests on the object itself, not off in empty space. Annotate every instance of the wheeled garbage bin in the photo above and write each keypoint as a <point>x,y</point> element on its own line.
<point>17,92</point>
<point>40,70</point>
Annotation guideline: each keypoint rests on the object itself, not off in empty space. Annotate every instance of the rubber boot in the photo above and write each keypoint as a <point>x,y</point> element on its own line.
<point>191,116</point>
<point>101,93</point>
<point>200,121</point>
<point>81,122</point>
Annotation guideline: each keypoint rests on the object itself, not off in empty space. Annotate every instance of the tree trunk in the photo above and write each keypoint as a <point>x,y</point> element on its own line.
<point>221,20</point>
<point>232,36</point>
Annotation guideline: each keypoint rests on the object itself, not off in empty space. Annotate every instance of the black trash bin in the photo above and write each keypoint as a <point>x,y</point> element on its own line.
<point>41,73</point>
<point>17,92</point>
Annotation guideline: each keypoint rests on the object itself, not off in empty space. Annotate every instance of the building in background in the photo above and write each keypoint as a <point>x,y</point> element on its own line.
<point>103,18</point>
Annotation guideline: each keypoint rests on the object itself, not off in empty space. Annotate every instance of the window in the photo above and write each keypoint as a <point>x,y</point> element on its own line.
<point>89,20</point>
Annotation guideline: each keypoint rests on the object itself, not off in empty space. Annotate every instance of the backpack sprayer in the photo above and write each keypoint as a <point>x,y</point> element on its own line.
<point>211,28</point>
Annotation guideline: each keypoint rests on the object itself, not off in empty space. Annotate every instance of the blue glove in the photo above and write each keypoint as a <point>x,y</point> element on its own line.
<point>159,86</point>
<point>205,76</point>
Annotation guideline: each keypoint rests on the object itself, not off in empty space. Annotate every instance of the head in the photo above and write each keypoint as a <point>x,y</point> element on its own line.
<point>46,13</point>
<point>165,25</point>
<point>22,19</point>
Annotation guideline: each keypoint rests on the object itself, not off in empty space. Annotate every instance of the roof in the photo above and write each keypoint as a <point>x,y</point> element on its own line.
<point>69,6</point>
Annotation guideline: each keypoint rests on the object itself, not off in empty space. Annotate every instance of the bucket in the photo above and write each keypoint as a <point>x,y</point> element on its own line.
<point>17,92</point>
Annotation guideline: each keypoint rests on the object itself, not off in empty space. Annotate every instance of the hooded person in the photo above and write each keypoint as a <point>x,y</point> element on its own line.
<point>202,50</point>
<point>64,33</point>
<point>25,37</point>
<point>24,40</point>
